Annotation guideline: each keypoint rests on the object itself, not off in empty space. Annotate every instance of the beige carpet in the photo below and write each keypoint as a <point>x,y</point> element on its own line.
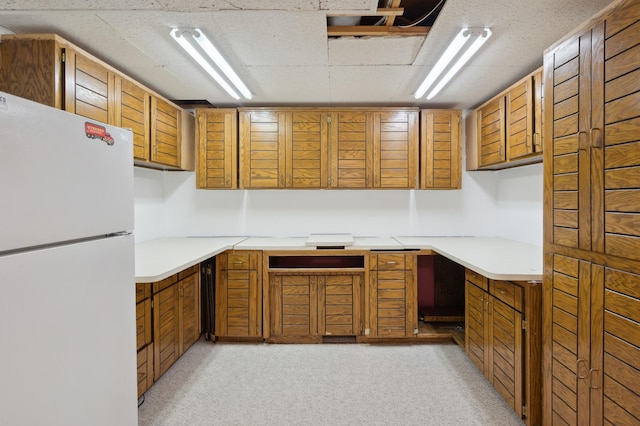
<point>330,384</point>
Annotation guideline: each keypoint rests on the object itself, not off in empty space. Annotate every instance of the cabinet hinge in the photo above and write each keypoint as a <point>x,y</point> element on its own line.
<point>524,324</point>
<point>328,119</point>
<point>524,411</point>
<point>63,56</point>
<point>415,331</point>
<point>151,303</point>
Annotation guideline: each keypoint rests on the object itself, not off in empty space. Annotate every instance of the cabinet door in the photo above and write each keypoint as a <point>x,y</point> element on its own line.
<point>89,88</point>
<point>351,153</point>
<point>393,298</point>
<point>505,344</point>
<point>617,194</point>
<point>238,295</point>
<point>339,305</point>
<point>441,144</point>
<point>262,149</point>
<point>567,325</point>
<point>293,304</point>
<point>145,369</point>
<point>306,149</point>
<point>143,323</point>
<point>189,310</point>
<point>476,325</point>
<point>520,120</point>
<point>395,149</point>
<point>569,158</point>
<point>133,113</point>
<point>166,333</point>
<point>491,132</point>
<point>217,152</point>
<point>166,127</point>
<point>615,369</point>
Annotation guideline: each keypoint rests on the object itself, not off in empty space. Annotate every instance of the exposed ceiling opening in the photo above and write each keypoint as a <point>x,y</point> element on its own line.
<point>391,18</point>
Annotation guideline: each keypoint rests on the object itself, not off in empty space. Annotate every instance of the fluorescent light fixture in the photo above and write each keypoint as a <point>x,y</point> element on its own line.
<point>4,30</point>
<point>184,37</point>
<point>449,55</point>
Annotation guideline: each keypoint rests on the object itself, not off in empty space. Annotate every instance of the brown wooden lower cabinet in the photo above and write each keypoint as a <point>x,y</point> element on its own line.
<point>168,323</point>
<point>392,296</point>
<point>503,326</point>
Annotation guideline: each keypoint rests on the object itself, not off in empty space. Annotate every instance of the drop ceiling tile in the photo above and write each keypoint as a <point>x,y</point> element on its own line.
<point>367,5</point>
<point>306,85</point>
<point>374,50</point>
<point>87,5</point>
<point>372,85</point>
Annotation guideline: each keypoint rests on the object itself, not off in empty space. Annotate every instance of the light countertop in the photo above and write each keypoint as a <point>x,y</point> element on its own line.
<point>494,257</point>
<point>161,258</point>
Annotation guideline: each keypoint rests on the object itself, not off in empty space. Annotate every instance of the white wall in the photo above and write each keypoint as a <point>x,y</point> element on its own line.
<point>490,203</point>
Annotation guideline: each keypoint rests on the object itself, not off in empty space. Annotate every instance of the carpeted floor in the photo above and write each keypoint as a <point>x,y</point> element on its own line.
<point>330,384</point>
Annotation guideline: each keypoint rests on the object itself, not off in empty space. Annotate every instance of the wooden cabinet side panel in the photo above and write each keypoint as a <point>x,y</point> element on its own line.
<point>519,119</point>
<point>32,69</point>
<point>491,132</point>
<point>217,155</point>
<point>134,114</point>
<point>166,128</point>
<point>165,341</point>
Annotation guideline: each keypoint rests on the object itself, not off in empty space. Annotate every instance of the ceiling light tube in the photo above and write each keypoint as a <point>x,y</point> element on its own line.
<point>448,55</point>
<point>224,66</point>
<point>473,48</point>
<point>179,37</point>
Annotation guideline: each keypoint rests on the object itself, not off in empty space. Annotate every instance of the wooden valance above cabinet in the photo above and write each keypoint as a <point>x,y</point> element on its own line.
<point>46,68</point>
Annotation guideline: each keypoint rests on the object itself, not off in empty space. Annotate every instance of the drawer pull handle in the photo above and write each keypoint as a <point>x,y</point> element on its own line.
<point>238,262</point>
<point>502,292</point>
<point>391,263</point>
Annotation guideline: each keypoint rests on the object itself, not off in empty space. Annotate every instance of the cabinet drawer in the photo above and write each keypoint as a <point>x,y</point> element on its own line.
<point>189,271</point>
<point>477,279</point>
<point>508,292</point>
<point>143,291</point>
<point>240,260</point>
<point>143,323</point>
<point>389,262</point>
<point>167,282</point>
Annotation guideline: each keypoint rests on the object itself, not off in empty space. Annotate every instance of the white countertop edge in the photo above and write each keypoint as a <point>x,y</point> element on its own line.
<point>179,263</point>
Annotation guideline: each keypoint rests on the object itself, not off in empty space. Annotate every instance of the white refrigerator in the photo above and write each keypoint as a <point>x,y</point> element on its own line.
<point>67,284</point>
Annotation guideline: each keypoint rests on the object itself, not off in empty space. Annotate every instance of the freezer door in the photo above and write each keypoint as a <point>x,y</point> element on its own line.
<point>67,327</point>
<point>62,177</point>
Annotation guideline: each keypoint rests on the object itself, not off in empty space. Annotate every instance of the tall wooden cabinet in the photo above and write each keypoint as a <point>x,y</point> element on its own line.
<point>46,68</point>
<point>239,294</point>
<point>391,296</point>
<point>440,149</point>
<point>592,232</point>
<point>216,148</point>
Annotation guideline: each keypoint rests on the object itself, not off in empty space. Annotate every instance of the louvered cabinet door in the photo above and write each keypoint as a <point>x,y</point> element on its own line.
<point>89,88</point>
<point>505,371</point>
<point>617,373</point>
<point>189,310</point>
<point>217,148</point>
<point>166,128</point>
<point>475,325</point>
<point>166,333</point>
<point>441,145</point>
<point>395,149</point>
<point>491,132</point>
<point>351,153</point>
<point>568,155</point>
<point>293,304</point>
<point>262,149</point>
<point>339,304</point>
<point>520,120</point>
<point>238,294</point>
<point>617,145</point>
<point>306,162</point>
<point>567,328</point>
<point>133,114</point>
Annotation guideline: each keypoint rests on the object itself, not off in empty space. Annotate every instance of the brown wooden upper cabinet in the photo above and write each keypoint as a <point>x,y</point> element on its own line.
<point>46,68</point>
<point>506,131</point>
<point>440,149</point>
<point>217,148</point>
<point>328,148</point>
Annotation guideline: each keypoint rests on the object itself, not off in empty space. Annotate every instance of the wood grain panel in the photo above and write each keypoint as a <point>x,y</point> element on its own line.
<point>441,149</point>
